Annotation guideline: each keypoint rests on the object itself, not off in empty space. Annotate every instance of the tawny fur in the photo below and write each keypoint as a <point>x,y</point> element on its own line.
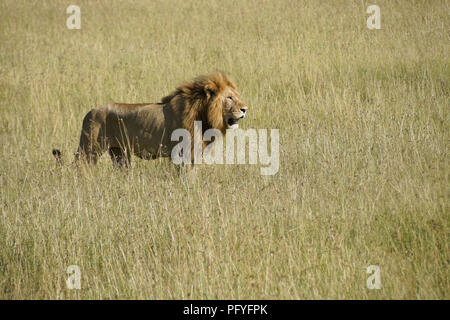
<point>145,129</point>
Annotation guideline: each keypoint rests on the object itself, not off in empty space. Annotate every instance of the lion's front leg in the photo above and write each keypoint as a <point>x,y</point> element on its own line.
<point>186,170</point>
<point>120,158</point>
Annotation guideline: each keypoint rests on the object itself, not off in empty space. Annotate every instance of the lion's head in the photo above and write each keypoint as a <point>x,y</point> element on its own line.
<point>212,99</point>
<point>233,109</point>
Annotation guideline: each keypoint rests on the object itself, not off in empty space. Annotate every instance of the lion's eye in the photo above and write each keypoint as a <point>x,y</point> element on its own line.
<point>230,97</point>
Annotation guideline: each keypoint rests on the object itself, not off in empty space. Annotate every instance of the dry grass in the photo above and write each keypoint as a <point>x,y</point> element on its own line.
<point>364,167</point>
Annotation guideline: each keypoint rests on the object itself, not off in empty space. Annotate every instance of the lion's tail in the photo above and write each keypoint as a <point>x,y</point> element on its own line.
<point>57,154</point>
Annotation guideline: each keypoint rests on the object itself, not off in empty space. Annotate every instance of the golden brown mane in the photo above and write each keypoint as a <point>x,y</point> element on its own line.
<point>200,100</point>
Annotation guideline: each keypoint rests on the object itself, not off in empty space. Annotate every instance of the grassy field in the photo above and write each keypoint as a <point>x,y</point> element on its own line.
<point>364,152</point>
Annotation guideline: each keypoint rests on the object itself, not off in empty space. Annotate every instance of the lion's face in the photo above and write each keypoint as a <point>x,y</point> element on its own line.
<point>233,108</point>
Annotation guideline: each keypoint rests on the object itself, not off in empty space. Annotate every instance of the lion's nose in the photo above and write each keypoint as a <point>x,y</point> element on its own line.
<point>243,110</point>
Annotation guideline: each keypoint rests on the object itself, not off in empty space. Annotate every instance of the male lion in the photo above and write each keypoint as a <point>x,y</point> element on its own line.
<point>145,129</point>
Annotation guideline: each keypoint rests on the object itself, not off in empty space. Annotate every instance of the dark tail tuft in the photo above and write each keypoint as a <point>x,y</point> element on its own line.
<point>57,155</point>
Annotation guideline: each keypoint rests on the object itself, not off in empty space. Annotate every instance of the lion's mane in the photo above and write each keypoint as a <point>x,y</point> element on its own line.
<point>200,101</point>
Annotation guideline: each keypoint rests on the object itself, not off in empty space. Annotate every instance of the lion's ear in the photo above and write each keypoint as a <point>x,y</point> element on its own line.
<point>210,90</point>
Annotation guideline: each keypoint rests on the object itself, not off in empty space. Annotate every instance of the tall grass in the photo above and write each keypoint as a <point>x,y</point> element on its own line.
<point>364,141</point>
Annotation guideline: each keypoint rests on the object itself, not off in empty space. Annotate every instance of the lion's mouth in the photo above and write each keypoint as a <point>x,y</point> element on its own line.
<point>232,123</point>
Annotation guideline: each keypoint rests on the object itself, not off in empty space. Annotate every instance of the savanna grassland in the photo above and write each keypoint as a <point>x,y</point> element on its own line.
<point>364,152</point>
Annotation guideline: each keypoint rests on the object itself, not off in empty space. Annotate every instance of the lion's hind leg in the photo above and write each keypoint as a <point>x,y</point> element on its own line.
<point>89,150</point>
<point>92,140</point>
